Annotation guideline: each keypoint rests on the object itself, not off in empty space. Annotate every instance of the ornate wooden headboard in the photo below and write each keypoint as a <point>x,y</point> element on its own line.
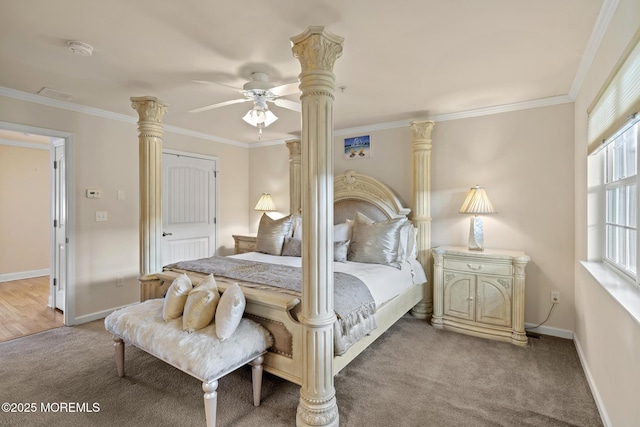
<point>354,192</point>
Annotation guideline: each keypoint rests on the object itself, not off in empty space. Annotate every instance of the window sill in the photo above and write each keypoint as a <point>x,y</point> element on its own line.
<point>619,287</point>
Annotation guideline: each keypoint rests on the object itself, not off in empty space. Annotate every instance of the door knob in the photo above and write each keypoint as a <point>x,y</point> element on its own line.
<point>164,233</point>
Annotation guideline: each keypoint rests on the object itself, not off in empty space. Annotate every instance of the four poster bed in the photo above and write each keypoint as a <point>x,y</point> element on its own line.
<point>303,324</point>
<point>396,289</point>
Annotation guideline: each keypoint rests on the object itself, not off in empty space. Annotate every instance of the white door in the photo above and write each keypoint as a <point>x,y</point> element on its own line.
<point>59,258</point>
<point>188,207</point>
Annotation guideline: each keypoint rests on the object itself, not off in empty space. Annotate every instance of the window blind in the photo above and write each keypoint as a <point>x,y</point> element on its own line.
<point>619,98</point>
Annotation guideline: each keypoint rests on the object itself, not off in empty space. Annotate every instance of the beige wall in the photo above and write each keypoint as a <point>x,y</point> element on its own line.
<point>524,161</point>
<point>523,158</point>
<point>607,335</point>
<point>269,168</point>
<point>24,209</point>
<point>106,157</point>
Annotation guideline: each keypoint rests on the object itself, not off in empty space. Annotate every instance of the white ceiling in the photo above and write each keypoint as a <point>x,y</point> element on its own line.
<point>402,60</point>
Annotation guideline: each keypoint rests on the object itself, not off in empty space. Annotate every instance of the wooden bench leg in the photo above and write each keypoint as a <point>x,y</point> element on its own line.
<point>256,377</point>
<point>119,350</point>
<point>210,402</point>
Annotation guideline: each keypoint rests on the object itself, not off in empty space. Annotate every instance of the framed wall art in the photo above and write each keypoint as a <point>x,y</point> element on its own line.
<point>357,147</point>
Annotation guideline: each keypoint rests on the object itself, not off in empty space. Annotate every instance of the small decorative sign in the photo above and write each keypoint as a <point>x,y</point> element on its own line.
<point>357,147</point>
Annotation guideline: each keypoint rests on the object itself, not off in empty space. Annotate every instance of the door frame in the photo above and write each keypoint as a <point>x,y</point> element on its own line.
<point>216,185</point>
<point>69,202</point>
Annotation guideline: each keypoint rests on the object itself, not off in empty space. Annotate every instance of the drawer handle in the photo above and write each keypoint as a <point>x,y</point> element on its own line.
<point>474,267</point>
<point>470,299</point>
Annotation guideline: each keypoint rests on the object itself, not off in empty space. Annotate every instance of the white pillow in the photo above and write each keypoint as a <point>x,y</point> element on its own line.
<point>296,226</point>
<point>342,232</point>
<point>176,297</point>
<point>229,312</point>
<point>201,304</point>
<point>406,245</point>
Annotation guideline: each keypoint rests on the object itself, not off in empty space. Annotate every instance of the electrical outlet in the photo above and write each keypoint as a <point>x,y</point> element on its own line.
<point>119,282</point>
<point>555,297</point>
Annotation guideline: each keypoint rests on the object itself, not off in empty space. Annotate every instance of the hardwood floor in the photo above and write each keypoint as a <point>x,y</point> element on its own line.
<point>23,308</point>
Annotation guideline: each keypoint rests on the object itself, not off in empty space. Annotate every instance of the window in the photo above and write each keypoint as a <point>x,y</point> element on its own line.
<point>621,200</point>
<point>614,129</point>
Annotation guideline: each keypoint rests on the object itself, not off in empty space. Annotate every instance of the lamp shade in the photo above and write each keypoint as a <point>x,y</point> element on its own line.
<point>265,203</point>
<point>477,202</point>
<point>260,117</point>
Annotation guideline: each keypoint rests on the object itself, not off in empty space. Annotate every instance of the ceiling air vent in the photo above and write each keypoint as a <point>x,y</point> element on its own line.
<point>55,94</point>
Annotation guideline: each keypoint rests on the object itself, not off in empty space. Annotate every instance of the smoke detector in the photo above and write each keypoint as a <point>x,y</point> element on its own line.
<point>80,48</point>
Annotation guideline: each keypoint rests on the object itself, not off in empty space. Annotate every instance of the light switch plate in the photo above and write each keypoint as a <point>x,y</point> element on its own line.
<point>101,216</point>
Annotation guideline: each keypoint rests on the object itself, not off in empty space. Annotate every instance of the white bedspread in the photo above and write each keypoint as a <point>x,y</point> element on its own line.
<point>384,282</point>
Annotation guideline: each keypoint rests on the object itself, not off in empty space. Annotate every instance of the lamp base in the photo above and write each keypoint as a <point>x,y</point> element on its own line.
<point>476,234</point>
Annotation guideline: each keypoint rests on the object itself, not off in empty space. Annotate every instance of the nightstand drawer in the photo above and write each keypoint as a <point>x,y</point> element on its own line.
<point>478,266</point>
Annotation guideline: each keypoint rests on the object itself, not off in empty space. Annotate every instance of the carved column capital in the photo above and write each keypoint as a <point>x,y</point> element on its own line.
<point>317,49</point>
<point>294,148</point>
<point>421,130</point>
<point>150,109</point>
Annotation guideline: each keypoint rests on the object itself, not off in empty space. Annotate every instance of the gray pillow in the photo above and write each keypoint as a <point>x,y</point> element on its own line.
<point>292,247</point>
<point>375,242</point>
<point>271,234</point>
<point>340,251</point>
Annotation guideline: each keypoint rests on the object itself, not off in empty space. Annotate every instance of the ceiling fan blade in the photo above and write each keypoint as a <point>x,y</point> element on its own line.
<point>286,89</point>
<point>219,104</point>
<point>207,82</point>
<point>291,105</point>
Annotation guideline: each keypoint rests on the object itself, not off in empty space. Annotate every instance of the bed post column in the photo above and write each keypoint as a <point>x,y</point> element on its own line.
<point>317,51</point>
<point>150,111</point>
<point>295,176</point>
<point>421,205</point>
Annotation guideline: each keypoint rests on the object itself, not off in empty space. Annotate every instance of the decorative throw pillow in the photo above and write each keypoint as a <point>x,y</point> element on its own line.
<point>229,312</point>
<point>375,242</point>
<point>176,297</point>
<point>201,304</point>
<point>292,247</point>
<point>271,234</point>
<point>340,251</point>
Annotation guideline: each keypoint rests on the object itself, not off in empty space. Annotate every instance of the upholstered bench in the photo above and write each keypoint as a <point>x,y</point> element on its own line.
<point>200,353</point>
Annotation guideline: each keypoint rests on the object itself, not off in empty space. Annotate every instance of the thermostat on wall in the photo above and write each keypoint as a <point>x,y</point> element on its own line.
<point>94,193</point>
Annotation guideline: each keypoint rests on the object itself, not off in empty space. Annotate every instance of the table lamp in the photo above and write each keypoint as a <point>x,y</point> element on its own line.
<point>476,203</point>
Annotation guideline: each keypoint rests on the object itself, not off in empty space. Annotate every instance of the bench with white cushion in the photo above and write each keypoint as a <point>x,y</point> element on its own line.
<point>200,354</point>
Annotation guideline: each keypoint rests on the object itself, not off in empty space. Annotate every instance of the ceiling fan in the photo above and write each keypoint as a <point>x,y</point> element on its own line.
<point>260,91</point>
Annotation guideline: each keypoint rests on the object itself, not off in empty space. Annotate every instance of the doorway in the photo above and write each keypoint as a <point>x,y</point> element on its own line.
<point>188,206</point>
<point>50,277</point>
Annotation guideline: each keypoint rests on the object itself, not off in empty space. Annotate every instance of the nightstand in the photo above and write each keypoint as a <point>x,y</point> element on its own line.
<point>244,243</point>
<point>480,293</point>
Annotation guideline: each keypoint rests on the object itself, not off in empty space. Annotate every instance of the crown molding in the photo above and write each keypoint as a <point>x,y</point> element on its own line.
<point>599,29</point>
<point>50,102</point>
<point>525,105</point>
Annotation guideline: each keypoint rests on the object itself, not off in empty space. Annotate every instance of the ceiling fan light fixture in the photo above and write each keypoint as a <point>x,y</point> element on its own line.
<point>259,117</point>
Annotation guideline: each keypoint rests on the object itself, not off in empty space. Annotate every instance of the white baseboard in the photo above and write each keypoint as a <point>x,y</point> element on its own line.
<point>24,275</point>
<point>545,330</point>
<point>96,316</point>
<point>592,385</point>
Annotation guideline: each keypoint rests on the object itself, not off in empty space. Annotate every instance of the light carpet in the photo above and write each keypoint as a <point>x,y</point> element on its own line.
<point>413,375</point>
